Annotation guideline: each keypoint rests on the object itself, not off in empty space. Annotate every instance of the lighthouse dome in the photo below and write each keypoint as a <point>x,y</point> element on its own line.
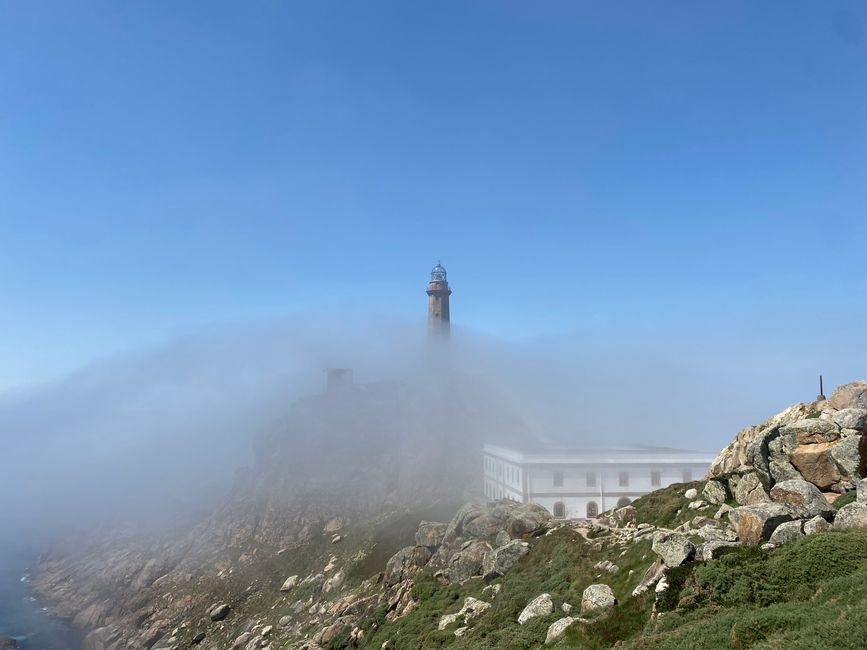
<point>438,273</point>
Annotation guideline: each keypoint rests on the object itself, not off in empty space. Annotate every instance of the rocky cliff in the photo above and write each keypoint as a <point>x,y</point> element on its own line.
<point>373,459</point>
<point>764,549</point>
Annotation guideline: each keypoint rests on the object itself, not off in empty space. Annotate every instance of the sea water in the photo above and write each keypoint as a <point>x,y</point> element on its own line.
<point>22,616</point>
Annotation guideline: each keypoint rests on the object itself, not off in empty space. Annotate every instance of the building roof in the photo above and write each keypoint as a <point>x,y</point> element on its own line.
<point>596,455</point>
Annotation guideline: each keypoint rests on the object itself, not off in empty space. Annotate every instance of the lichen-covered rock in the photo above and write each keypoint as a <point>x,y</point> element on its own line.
<point>690,494</point>
<point>714,492</point>
<point>734,457</point>
<point>598,596</point>
<point>241,640</point>
<point>786,532</point>
<point>430,534</point>
<point>335,582</point>
<point>850,454</point>
<point>779,446</point>
<point>471,610</point>
<point>219,612</point>
<point>811,431</point>
<point>804,499</point>
<point>851,418</point>
<point>606,565</point>
<point>467,562</point>
<point>851,395</point>
<point>618,517</point>
<point>400,566</point>
<point>557,628</point>
<point>755,523</point>
<point>673,548</point>
<point>499,560</point>
<point>853,515</point>
<point>748,489</point>
<point>289,584</point>
<point>861,494</point>
<point>816,525</point>
<point>711,533</point>
<point>541,605</point>
<point>651,576</point>
<point>482,526</point>
<point>815,463</point>
<point>486,520</point>
<point>710,549</point>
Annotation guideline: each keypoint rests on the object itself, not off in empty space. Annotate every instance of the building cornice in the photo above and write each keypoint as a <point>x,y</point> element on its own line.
<point>600,456</point>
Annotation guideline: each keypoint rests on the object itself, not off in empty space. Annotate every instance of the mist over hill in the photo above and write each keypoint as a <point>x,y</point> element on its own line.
<point>159,433</point>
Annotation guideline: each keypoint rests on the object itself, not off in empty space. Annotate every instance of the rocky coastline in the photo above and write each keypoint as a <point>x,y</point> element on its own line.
<point>331,578</point>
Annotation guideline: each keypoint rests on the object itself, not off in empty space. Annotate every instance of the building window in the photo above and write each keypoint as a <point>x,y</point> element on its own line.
<point>591,479</point>
<point>592,510</point>
<point>687,475</point>
<point>655,479</point>
<point>559,509</point>
<point>623,479</point>
<point>558,479</point>
<point>623,501</point>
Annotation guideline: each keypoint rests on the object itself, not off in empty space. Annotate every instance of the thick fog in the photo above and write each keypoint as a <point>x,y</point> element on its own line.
<point>158,434</point>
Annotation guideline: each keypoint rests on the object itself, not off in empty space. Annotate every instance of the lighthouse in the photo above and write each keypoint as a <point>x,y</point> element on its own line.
<point>438,293</point>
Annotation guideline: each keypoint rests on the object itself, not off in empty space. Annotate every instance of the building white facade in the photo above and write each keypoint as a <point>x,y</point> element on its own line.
<point>575,484</point>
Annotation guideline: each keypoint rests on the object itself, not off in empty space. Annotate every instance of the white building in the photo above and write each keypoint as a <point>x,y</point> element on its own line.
<point>582,483</point>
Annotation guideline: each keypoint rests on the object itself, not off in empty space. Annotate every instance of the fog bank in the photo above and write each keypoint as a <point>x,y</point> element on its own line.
<point>159,433</point>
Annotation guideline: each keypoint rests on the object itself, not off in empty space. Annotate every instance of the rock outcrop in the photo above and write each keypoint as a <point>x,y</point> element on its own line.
<point>754,524</point>
<point>673,548</point>
<point>541,605</point>
<point>823,443</point>
<point>556,629</point>
<point>597,596</point>
<point>787,531</point>
<point>715,492</point>
<point>853,515</point>
<point>471,610</point>
<point>503,558</point>
<point>803,498</point>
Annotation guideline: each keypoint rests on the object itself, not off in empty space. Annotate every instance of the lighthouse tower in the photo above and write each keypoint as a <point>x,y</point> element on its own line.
<point>438,293</point>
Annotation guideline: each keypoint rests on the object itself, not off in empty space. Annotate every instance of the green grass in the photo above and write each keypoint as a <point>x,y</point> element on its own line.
<point>667,507</point>
<point>809,593</point>
<point>560,564</point>
<point>845,499</point>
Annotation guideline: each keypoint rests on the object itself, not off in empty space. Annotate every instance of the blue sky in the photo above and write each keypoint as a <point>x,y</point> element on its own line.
<point>643,171</point>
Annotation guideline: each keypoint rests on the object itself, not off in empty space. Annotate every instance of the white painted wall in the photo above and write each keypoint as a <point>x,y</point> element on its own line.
<point>507,479</point>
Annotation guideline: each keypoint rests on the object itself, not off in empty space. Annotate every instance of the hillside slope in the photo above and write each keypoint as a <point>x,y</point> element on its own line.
<point>763,553</point>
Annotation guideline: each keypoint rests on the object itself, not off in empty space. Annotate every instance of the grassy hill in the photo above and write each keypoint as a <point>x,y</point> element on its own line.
<point>809,593</point>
